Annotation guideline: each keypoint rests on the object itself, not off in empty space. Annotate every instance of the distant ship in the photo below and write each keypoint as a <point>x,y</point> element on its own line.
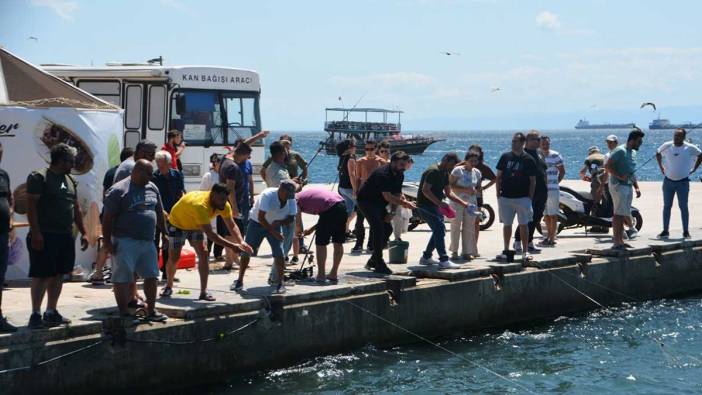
<point>665,124</point>
<point>363,131</point>
<point>584,124</point>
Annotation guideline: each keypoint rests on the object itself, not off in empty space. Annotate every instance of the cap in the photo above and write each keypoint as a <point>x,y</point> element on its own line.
<point>593,149</point>
<point>289,185</point>
<point>612,137</point>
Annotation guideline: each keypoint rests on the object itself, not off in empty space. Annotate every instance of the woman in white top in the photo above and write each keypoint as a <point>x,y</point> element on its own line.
<point>465,182</point>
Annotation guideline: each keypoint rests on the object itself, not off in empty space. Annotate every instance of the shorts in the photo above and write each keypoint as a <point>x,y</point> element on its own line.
<point>4,255</point>
<point>132,255</point>
<point>255,233</point>
<point>509,207</point>
<point>552,202</point>
<point>57,257</point>
<point>331,225</point>
<point>347,194</point>
<point>622,196</point>
<point>177,237</point>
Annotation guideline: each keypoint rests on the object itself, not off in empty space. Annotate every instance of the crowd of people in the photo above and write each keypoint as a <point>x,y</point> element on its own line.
<point>147,212</point>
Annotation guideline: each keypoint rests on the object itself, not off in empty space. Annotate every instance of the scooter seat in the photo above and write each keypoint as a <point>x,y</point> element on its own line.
<point>586,195</point>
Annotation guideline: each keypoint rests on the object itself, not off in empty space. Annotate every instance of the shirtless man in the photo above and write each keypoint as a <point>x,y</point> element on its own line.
<point>364,167</point>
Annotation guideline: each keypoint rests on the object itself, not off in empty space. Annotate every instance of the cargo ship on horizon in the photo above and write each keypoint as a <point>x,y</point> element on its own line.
<point>585,124</point>
<point>662,124</point>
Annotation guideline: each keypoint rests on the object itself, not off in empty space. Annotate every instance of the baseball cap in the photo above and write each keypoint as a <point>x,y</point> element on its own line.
<point>289,185</point>
<point>612,137</point>
<point>593,149</point>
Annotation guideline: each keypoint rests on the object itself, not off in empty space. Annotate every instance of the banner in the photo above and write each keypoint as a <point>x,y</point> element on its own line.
<point>27,135</point>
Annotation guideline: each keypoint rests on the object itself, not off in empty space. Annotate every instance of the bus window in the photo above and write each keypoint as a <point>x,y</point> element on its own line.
<point>157,106</point>
<point>132,110</point>
<point>201,122</point>
<point>241,117</point>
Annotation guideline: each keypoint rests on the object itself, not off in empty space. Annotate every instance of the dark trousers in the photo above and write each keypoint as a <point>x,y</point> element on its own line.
<point>379,229</point>
<point>360,230</point>
<point>538,204</point>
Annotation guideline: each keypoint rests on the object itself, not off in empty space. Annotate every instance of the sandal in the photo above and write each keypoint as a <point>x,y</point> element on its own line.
<point>156,316</point>
<point>166,292</point>
<point>206,297</point>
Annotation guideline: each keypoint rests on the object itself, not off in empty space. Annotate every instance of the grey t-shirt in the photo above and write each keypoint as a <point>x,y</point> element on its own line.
<point>124,170</point>
<point>275,173</point>
<point>133,209</point>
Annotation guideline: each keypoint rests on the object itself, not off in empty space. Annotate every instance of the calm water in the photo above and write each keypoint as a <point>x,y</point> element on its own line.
<point>605,351</point>
<point>571,144</point>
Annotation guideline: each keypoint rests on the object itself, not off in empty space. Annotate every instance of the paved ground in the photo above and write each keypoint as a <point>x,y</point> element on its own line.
<point>85,303</point>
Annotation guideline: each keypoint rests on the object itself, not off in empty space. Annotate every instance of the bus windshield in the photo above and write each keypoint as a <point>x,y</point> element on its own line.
<point>209,117</point>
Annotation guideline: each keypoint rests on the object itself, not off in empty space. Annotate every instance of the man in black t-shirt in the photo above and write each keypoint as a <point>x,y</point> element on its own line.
<point>232,175</point>
<point>538,202</point>
<point>516,183</point>
<point>383,186</point>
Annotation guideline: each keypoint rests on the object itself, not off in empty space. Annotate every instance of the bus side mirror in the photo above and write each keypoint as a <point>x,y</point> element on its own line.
<point>180,104</point>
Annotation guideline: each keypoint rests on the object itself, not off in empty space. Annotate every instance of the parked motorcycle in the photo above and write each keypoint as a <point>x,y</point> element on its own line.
<point>575,211</point>
<point>411,189</point>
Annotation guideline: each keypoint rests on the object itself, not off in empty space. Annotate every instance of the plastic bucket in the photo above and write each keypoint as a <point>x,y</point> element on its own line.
<point>397,251</point>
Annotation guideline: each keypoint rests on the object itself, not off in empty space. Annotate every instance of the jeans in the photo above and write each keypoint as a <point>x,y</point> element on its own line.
<point>670,188</point>
<point>288,235</point>
<point>243,222</point>
<point>379,229</point>
<point>360,230</point>
<point>538,205</point>
<point>435,220</point>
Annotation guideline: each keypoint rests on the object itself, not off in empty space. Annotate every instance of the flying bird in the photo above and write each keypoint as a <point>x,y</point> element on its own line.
<point>593,106</point>
<point>34,38</point>
<point>493,90</point>
<point>648,104</point>
<point>450,53</point>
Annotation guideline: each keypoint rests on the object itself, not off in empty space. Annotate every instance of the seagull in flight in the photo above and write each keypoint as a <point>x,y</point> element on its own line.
<point>34,38</point>
<point>648,104</point>
<point>450,53</point>
<point>493,90</point>
<point>593,106</point>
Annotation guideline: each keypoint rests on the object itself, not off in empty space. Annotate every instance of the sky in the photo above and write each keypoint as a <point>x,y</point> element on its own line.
<point>554,62</point>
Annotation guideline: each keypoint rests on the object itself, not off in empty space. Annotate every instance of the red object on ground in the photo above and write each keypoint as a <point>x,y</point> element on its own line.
<point>187,259</point>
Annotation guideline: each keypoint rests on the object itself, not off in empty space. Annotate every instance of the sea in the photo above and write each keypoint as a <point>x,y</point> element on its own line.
<point>652,347</point>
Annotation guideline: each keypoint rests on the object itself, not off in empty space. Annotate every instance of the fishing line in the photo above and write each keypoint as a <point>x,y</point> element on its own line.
<point>656,154</point>
<point>424,339</point>
<point>656,340</point>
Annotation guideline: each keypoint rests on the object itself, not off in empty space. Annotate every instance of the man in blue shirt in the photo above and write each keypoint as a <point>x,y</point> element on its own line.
<point>621,167</point>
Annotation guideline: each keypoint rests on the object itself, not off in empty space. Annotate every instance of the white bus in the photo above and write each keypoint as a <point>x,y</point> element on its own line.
<point>211,106</point>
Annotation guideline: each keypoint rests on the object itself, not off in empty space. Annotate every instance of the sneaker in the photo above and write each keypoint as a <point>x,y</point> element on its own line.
<point>35,321</point>
<point>686,235</point>
<point>156,316</point>
<point>370,265</point>
<point>357,249</point>
<point>449,265</point>
<point>532,249</point>
<point>454,256</point>
<point>517,247</point>
<point>382,268</point>
<point>238,285</point>
<point>279,289</point>
<point>663,235</point>
<point>53,318</point>
<point>632,233</point>
<point>427,261</point>
<point>467,257</point>
<point>6,327</point>
<point>295,260</point>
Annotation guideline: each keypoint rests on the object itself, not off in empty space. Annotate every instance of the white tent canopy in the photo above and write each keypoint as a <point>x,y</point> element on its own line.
<point>23,84</point>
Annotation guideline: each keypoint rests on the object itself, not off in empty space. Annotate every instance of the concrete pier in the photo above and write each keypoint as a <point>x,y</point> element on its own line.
<point>212,341</point>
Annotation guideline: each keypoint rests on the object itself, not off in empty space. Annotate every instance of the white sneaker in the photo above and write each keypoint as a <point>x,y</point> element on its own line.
<point>449,265</point>
<point>427,261</point>
<point>278,289</point>
<point>632,233</point>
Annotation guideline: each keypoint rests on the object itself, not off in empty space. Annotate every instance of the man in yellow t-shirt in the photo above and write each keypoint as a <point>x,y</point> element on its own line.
<point>190,219</point>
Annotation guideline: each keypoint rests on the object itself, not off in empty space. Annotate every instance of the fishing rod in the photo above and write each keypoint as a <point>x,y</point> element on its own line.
<point>699,125</point>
